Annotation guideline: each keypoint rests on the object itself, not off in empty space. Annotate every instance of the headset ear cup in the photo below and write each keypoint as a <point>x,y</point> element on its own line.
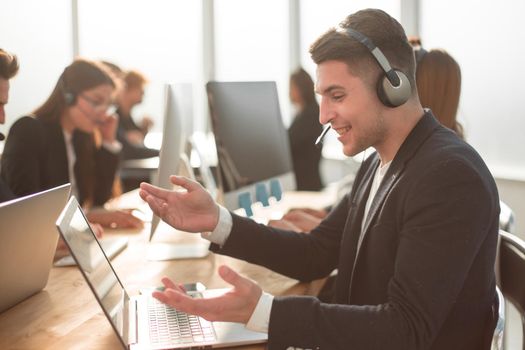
<point>394,96</point>
<point>69,98</point>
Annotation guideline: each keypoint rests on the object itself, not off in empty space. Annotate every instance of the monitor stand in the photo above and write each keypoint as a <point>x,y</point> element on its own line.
<point>173,251</point>
<point>187,246</point>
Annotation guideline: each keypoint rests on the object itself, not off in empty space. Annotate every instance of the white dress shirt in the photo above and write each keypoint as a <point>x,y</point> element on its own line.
<point>260,318</point>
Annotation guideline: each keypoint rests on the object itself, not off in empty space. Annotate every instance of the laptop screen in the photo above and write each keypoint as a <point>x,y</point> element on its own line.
<point>94,265</point>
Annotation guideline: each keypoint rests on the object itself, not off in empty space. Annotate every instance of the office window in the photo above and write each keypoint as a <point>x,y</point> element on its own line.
<point>160,38</point>
<point>251,43</point>
<point>490,57</point>
<point>319,16</point>
<point>39,33</point>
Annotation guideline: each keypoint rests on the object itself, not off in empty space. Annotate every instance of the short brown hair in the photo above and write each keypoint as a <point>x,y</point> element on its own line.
<point>8,65</point>
<point>383,30</point>
<point>305,85</point>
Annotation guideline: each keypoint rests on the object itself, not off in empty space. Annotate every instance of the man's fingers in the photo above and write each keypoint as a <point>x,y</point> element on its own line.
<point>154,191</point>
<point>233,277</point>
<point>184,182</point>
<point>156,204</point>
<point>168,283</point>
<point>180,301</point>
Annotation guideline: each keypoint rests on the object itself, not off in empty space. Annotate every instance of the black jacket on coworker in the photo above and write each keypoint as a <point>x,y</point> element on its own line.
<point>130,150</point>
<point>35,159</point>
<point>306,156</point>
<point>423,276</point>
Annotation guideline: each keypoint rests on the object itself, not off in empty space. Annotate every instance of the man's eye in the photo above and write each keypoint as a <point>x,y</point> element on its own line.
<point>337,97</point>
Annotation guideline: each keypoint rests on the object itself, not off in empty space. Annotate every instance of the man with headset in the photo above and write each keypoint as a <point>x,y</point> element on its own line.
<point>414,241</point>
<point>8,69</point>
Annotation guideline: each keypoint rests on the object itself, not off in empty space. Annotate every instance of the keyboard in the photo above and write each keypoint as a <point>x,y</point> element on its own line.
<point>169,326</point>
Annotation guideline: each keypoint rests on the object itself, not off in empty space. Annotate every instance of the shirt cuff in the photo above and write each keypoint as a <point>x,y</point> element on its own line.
<point>114,147</point>
<point>223,229</point>
<point>260,319</point>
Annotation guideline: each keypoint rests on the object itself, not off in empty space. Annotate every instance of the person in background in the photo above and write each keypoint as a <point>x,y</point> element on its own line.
<point>438,79</point>
<point>303,131</point>
<point>131,135</point>
<point>70,138</point>
<point>414,241</point>
<point>8,69</point>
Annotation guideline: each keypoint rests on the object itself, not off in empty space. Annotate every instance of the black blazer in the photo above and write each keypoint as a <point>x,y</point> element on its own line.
<point>35,159</point>
<point>423,277</point>
<point>5,192</point>
<point>306,156</point>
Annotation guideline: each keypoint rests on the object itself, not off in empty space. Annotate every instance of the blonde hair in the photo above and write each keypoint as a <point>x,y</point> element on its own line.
<point>134,79</point>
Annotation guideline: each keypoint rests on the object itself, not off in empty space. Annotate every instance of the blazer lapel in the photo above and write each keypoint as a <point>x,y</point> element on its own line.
<point>423,129</point>
<point>383,190</point>
<point>352,231</point>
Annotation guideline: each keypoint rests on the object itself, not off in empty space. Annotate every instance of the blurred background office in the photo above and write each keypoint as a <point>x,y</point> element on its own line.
<point>199,41</point>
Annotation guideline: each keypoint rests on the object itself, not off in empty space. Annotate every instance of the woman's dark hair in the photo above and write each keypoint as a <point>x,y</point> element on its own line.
<point>305,85</point>
<point>79,76</point>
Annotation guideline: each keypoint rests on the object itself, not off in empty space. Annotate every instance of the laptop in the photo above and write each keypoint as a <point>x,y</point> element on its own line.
<point>28,243</point>
<point>142,321</point>
<point>112,246</point>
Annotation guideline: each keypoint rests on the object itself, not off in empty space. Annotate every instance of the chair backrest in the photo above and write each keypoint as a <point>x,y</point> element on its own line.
<point>512,272</point>
<point>506,218</point>
<point>497,338</point>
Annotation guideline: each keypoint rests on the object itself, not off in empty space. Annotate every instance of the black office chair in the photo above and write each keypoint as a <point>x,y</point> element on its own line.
<point>499,330</point>
<point>512,272</point>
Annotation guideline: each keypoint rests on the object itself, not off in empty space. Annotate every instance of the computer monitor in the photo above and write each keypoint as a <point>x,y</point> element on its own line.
<point>173,160</point>
<point>174,134</point>
<point>252,143</point>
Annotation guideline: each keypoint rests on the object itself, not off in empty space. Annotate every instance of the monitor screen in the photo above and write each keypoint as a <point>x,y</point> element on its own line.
<point>251,141</point>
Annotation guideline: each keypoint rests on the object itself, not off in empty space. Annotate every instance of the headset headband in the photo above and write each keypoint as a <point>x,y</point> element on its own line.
<point>378,55</point>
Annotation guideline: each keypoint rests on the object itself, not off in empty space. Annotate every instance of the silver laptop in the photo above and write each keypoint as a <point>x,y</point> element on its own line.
<point>142,321</point>
<point>112,246</point>
<point>28,241</point>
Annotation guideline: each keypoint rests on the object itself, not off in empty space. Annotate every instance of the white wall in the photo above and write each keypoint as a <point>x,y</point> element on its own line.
<point>253,46</point>
<point>512,192</point>
<point>487,39</point>
<point>39,33</point>
<point>160,38</point>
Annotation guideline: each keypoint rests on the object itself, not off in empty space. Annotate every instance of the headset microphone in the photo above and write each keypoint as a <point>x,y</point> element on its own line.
<point>2,137</point>
<point>96,121</point>
<point>319,141</point>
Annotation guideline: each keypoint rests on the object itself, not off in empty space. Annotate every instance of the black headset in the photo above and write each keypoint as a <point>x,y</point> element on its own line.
<point>393,87</point>
<point>69,97</point>
<point>419,53</point>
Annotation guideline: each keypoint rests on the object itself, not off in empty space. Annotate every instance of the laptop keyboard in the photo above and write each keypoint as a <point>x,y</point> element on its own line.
<point>167,325</point>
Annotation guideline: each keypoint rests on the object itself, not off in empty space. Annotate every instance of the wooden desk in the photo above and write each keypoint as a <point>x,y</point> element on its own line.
<point>65,315</point>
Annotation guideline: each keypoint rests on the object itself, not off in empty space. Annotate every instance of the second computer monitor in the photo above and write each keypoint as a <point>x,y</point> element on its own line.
<point>177,108</point>
<point>252,143</point>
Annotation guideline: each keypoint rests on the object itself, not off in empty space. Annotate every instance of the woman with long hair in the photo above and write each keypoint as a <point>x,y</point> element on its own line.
<point>70,138</point>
